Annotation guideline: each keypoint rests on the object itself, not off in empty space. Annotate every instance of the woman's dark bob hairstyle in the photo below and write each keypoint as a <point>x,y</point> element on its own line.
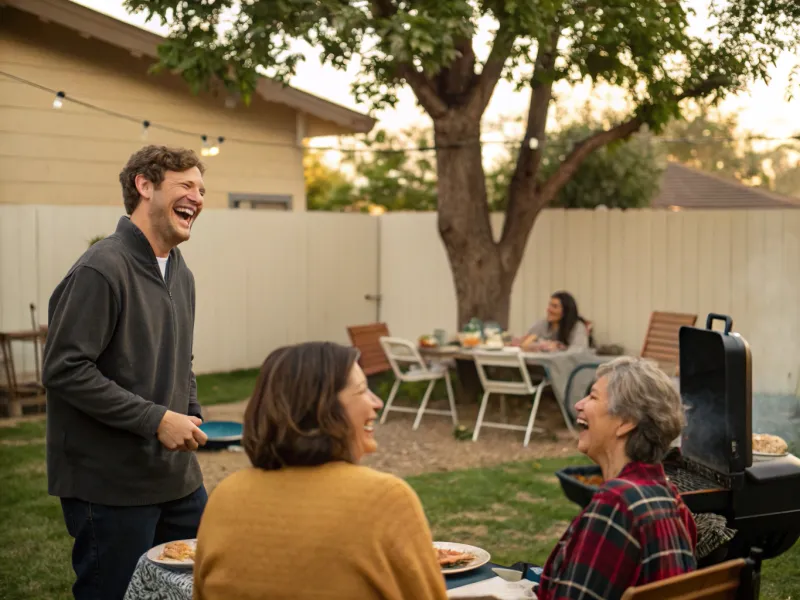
<point>294,417</point>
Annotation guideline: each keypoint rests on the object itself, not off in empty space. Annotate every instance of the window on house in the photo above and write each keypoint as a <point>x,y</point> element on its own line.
<point>260,201</point>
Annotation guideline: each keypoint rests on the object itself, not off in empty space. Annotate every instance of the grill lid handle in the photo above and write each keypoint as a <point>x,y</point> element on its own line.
<point>716,317</point>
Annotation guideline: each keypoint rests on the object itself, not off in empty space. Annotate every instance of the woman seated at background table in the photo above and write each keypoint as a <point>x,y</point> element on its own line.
<point>636,530</point>
<point>563,327</point>
<point>306,520</point>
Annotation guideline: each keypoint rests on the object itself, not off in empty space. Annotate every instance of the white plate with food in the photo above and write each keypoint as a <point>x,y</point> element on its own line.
<point>459,558</point>
<point>178,554</point>
<point>765,456</point>
<point>768,447</point>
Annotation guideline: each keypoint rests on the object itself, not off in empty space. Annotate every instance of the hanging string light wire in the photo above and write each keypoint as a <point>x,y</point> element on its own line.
<point>213,150</point>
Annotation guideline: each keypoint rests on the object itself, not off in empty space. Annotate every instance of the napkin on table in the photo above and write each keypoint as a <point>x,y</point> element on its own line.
<point>495,587</point>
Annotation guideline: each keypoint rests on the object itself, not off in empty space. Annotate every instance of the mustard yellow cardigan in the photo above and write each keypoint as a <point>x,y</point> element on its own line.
<point>337,531</point>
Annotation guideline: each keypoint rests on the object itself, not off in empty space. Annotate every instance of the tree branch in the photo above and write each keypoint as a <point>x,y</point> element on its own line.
<point>527,199</point>
<point>419,83</point>
<point>455,80</point>
<point>523,181</point>
<point>424,90</point>
<point>579,153</point>
<point>484,85</point>
<point>622,131</point>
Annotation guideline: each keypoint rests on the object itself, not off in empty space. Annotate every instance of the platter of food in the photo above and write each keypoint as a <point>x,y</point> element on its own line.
<point>590,480</point>
<point>768,447</point>
<point>428,341</point>
<point>459,558</point>
<point>178,554</point>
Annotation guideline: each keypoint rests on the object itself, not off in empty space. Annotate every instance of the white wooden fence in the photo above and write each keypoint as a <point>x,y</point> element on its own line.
<point>267,278</point>
<point>263,278</point>
<point>620,266</point>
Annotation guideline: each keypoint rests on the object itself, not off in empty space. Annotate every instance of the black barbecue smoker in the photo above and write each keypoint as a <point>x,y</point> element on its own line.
<point>713,468</point>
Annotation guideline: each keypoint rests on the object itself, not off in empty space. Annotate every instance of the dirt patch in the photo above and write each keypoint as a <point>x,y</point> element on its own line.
<point>554,532</point>
<point>403,452</point>
<point>477,516</point>
<point>432,448</point>
<point>526,497</point>
<point>14,421</point>
<point>32,468</point>
<point>552,479</point>
<point>217,465</point>
<point>468,532</point>
<point>22,442</point>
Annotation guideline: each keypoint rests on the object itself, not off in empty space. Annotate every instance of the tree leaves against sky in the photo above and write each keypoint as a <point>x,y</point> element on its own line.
<point>643,46</point>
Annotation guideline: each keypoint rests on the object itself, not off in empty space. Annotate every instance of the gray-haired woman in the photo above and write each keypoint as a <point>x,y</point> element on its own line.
<point>636,529</point>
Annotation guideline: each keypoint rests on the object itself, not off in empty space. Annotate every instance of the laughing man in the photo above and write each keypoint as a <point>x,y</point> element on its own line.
<point>122,410</point>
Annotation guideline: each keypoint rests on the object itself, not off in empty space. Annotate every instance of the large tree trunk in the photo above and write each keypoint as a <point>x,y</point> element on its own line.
<point>482,279</point>
<point>484,270</point>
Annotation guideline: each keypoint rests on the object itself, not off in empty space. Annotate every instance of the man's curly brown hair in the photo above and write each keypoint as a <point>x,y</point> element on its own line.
<point>153,162</point>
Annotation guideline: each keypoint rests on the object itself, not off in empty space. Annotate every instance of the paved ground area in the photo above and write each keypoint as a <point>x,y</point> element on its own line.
<point>432,447</point>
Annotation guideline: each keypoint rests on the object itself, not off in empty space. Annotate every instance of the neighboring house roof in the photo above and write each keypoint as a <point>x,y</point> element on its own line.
<point>685,187</point>
<point>139,42</point>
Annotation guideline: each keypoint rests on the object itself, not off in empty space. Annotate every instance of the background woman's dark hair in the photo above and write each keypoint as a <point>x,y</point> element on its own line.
<point>569,316</point>
<point>294,417</point>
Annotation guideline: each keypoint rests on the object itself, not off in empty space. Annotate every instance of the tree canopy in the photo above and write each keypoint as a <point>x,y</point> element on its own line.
<point>713,142</point>
<point>646,48</point>
<point>390,171</point>
<point>622,175</point>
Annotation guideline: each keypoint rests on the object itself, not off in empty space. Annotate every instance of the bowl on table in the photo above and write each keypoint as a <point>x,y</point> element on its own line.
<point>470,339</point>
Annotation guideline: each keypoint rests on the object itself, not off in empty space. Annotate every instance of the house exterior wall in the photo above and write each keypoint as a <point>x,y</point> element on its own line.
<point>72,156</point>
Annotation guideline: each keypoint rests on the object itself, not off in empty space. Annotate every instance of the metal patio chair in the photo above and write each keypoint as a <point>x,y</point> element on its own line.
<point>401,352</point>
<point>508,360</point>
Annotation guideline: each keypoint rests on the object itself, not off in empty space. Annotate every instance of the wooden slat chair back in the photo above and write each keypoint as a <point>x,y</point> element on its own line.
<point>367,339</point>
<point>7,383</point>
<point>17,394</point>
<point>661,340</point>
<point>737,579</point>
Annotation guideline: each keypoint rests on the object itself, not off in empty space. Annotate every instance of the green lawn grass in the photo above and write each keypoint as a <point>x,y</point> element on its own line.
<point>234,386</point>
<point>221,388</point>
<point>516,511</point>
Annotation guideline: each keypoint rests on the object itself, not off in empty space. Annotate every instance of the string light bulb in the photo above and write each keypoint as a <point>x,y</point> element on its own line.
<point>145,127</point>
<point>205,150</point>
<point>214,150</point>
<point>58,102</point>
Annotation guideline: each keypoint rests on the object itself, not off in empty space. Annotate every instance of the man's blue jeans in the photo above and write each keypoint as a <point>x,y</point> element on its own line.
<point>110,539</point>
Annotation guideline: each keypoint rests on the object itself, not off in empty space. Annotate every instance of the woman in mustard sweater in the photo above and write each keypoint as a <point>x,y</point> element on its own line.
<point>306,521</point>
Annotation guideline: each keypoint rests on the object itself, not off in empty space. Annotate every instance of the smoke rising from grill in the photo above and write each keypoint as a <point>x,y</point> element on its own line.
<point>705,436</point>
<point>774,345</point>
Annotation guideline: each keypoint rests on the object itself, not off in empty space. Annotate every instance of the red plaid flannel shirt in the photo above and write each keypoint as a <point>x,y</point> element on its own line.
<point>636,530</point>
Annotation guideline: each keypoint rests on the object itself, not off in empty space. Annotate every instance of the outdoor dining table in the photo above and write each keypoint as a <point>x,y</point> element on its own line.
<point>569,372</point>
<point>152,581</point>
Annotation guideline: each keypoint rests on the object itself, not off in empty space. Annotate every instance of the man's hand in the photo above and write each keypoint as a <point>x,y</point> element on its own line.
<point>180,432</point>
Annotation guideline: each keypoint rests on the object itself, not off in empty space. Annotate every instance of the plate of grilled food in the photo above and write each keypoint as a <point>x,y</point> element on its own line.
<point>458,558</point>
<point>768,447</point>
<point>178,554</point>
